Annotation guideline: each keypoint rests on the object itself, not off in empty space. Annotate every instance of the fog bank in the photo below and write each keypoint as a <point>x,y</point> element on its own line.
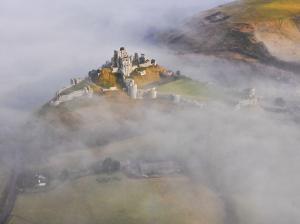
<point>249,158</point>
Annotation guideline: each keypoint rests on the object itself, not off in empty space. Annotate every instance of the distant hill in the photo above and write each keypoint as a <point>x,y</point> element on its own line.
<point>267,31</point>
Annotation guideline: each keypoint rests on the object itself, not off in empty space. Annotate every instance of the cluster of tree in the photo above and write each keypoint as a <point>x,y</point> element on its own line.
<point>94,75</point>
<point>107,166</point>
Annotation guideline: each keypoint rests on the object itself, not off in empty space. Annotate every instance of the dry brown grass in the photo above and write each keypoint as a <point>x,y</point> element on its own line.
<point>152,75</point>
<point>256,11</point>
<point>289,5</point>
<point>107,78</point>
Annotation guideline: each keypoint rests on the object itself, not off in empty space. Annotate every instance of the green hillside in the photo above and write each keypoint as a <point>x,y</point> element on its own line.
<point>262,31</point>
<point>260,10</point>
<point>187,88</point>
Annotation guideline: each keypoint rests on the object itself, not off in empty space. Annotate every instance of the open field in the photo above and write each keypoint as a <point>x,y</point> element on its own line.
<point>121,200</point>
<point>168,200</point>
<point>187,88</point>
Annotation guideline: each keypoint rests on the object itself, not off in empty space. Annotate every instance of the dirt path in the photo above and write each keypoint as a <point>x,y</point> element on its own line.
<point>8,201</point>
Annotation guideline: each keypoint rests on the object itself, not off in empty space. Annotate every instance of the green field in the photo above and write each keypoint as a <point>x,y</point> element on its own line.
<point>168,200</point>
<point>186,87</point>
<point>174,200</point>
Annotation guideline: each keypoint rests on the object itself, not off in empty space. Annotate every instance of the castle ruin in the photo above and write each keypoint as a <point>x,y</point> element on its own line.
<point>125,64</point>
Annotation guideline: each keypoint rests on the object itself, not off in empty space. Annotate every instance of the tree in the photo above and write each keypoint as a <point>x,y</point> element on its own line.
<point>109,165</point>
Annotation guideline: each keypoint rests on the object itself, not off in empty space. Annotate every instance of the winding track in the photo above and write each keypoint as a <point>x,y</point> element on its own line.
<point>11,191</point>
<point>10,198</point>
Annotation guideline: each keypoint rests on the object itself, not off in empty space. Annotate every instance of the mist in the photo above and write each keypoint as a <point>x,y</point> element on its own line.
<point>248,158</point>
<point>44,44</point>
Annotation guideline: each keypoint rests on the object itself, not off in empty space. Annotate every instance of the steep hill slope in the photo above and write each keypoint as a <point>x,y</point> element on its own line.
<point>253,30</point>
